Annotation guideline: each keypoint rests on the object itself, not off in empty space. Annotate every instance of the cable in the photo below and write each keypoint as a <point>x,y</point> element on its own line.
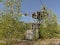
<point>41,3</point>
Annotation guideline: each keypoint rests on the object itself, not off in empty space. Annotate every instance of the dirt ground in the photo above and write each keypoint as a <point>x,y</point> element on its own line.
<point>38,42</point>
<point>48,42</point>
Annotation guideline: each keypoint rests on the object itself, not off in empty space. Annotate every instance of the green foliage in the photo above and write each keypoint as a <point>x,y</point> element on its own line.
<point>11,28</point>
<point>2,44</point>
<point>13,8</point>
<point>48,27</point>
<point>1,0</point>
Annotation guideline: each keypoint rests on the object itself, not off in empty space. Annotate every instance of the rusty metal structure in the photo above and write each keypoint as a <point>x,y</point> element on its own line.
<point>39,16</point>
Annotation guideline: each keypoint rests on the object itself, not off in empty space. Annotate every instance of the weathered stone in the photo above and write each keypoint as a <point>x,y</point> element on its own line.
<point>29,34</point>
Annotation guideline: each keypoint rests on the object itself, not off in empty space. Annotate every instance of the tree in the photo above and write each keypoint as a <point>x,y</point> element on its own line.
<point>48,27</point>
<point>0,0</point>
<point>11,28</point>
<point>13,8</point>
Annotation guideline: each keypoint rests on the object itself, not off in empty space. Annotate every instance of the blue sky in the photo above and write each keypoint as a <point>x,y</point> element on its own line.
<point>30,6</point>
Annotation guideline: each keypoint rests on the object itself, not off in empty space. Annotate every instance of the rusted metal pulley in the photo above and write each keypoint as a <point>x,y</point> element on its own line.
<point>34,15</point>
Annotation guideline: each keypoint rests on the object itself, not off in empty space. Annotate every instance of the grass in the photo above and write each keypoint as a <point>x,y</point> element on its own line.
<point>2,44</point>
